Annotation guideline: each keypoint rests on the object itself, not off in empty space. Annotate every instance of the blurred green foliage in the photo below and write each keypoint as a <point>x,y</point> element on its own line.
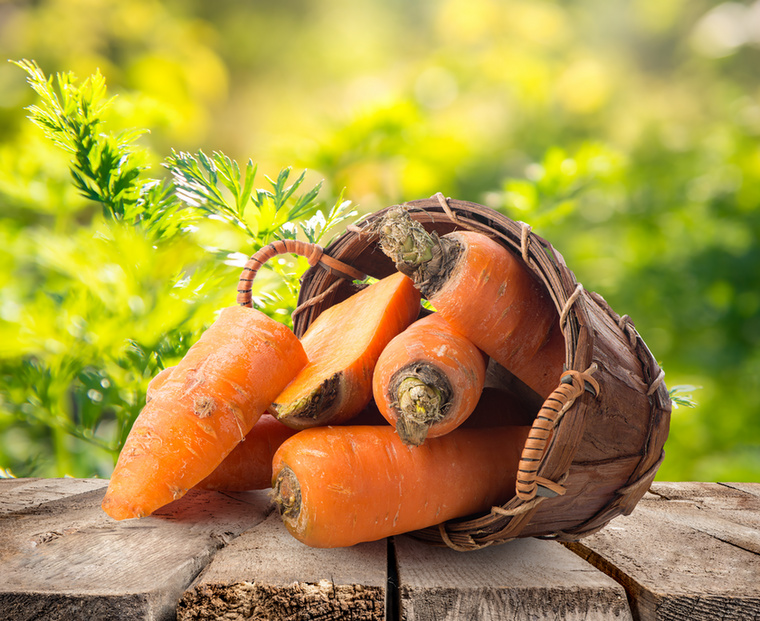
<point>626,133</point>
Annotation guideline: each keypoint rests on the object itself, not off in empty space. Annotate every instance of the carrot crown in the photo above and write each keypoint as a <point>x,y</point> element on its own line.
<point>287,493</point>
<point>425,257</point>
<point>422,395</point>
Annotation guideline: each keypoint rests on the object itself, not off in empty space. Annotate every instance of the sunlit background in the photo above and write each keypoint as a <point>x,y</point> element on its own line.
<point>625,132</point>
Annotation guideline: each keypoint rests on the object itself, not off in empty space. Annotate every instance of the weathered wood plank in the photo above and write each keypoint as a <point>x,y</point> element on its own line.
<point>521,579</point>
<point>21,494</point>
<point>737,504</point>
<point>719,511</point>
<point>267,574</point>
<point>63,558</point>
<point>689,551</point>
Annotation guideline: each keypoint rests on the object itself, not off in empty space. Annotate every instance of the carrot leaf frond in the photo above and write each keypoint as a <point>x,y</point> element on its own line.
<point>106,168</point>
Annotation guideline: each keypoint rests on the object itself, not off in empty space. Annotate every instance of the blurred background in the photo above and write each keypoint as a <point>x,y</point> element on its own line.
<point>625,132</point>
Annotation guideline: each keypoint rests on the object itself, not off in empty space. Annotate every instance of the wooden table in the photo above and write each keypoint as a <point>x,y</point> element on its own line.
<point>688,551</point>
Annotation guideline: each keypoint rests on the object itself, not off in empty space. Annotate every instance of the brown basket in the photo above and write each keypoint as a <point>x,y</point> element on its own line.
<point>609,416</point>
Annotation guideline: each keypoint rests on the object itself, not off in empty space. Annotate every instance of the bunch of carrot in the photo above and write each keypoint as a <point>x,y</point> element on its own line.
<point>251,406</point>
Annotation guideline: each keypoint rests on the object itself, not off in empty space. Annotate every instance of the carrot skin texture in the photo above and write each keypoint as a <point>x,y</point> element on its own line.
<point>343,345</point>
<point>496,302</point>
<point>156,383</point>
<point>429,349</point>
<point>202,410</point>
<point>249,465</point>
<point>360,484</point>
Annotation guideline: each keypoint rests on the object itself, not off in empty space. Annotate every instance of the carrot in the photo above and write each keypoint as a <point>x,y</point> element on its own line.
<point>428,380</point>
<point>338,486</point>
<point>485,292</point>
<point>202,410</point>
<point>249,465</point>
<point>343,344</point>
<point>158,380</point>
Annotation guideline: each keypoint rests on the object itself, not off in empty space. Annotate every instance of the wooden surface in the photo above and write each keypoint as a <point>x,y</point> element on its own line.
<point>520,579</point>
<point>267,574</point>
<point>689,551</point>
<point>62,558</point>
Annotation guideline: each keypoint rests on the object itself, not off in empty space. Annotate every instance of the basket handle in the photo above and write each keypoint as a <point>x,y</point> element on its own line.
<point>314,254</point>
<point>571,386</point>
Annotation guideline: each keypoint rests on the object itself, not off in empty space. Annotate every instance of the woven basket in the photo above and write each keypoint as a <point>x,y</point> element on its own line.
<point>600,435</point>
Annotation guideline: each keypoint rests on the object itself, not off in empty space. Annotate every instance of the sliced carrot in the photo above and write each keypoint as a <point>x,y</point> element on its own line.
<point>486,293</point>
<point>249,465</point>
<point>343,344</point>
<point>338,486</point>
<point>202,410</point>
<point>428,379</point>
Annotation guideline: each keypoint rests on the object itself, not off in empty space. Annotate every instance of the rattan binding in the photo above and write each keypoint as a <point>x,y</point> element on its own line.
<point>599,450</point>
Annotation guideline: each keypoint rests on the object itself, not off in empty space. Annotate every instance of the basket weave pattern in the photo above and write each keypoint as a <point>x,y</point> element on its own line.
<point>608,418</point>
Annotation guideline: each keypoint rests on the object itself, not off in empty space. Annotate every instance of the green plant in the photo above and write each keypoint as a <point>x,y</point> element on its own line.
<point>109,302</point>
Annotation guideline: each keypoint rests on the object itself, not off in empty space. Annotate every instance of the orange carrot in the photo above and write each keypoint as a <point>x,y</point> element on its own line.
<point>486,293</point>
<point>343,345</point>
<point>428,380</point>
<point>202,410</point>
<point>249,465</point>
<point>158,380</point>
<point>338,486</point>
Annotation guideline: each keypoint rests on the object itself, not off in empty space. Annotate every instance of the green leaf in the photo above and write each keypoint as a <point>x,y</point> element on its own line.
<point>106,168</point>
<point>681,395</point>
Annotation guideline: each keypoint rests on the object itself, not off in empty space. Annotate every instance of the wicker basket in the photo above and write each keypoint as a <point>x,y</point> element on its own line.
<point>608,418</point>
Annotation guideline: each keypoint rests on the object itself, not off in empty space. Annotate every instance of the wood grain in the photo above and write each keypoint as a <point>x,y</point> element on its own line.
<point>63,558</point>
<point>520,580</point>
<point>24,494</point>
<point>267,574</point>
<point>688,551</point>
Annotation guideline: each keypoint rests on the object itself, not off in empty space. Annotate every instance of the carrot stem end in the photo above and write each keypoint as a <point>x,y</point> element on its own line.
<point>287,494</point>
<point>422,397</point>
<point>425,257</point>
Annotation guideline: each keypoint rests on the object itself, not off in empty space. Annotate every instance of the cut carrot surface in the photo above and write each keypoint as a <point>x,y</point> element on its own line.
<point>343,345</point>
<point>338,486</point>
<point>249,465</point>
<point>428,379</point>
<point>202,409</point>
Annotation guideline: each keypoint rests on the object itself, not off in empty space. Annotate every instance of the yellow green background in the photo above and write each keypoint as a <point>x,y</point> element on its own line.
<point>625,132</point>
